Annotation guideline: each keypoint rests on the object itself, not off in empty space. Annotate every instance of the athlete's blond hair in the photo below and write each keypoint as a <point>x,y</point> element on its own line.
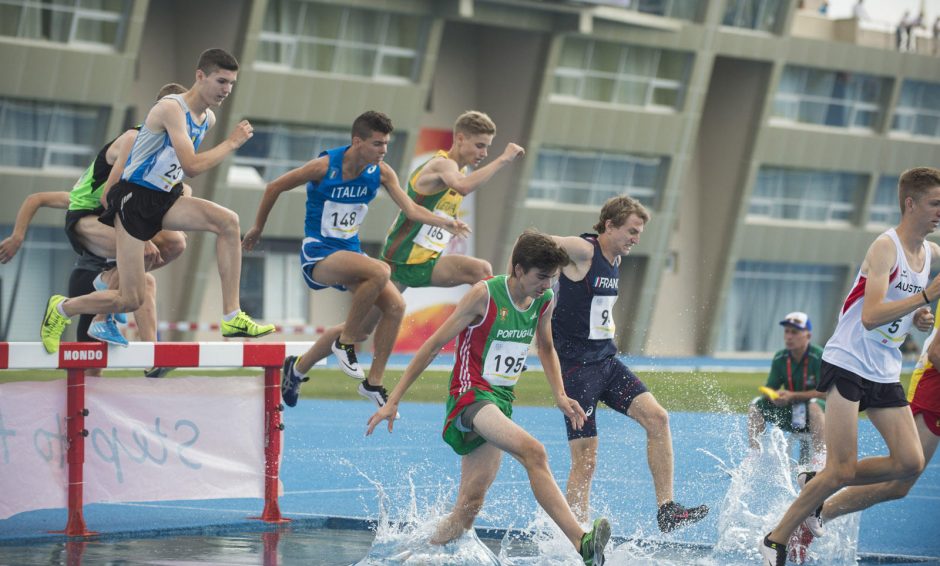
<point>474,122</point>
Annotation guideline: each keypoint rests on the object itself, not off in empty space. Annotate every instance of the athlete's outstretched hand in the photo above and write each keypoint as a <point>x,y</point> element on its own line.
<point>386,413</point>
<point>9,246</point>
<point>572,409</point>
<point>459,228</point>
<point>923,318</point>
<point>251,239</point>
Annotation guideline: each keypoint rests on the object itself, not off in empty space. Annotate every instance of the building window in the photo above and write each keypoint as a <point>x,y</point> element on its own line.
<point>92,23</point>
<point>829,98</point>
<point>305,36</point>
<point>885,207</point>
<point>272,287</point>
<point>625,75</point>
<point>590,178</point>
<point>762,293</point>
<point>762,15</point>
<point>277,148</point>
<point>49,135</point>
<point>918,110</point>
<point>679,9</point>
<point>814,196</point>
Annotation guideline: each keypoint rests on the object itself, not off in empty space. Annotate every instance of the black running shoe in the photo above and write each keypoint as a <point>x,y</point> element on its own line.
<point>671,516</point>
<point>290,383</point>
<point>157,372</point>
<point>814,522</point>
<point>376,393</point>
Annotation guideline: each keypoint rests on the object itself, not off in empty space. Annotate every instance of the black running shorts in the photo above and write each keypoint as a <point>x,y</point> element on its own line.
<point>869,394</point>
<point>607,380</point>
<point>141,209</point>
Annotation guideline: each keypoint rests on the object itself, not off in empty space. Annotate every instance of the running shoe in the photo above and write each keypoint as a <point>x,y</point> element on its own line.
<point>242,326</point>
<point>772,553</point>
<point>157,372</point>
<point>376,393</point>
<point>99,285</point>
<point>107,331</point>
<point>814,522</point>
<point>53,324</point>
<point>290,383</point>
<point>346,354</point>
<point>671,516</point>
<point>594,541</point>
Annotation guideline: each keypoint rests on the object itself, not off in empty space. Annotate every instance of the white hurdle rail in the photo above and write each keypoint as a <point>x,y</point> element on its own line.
<point>76,357</point>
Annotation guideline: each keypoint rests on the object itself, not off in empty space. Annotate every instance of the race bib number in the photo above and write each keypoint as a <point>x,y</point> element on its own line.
<point>504,361</point>
<point>432,237</point>
<point>166,171</point>
<point>342,220</point>
<point>891,335</point>
<point>602,317</point>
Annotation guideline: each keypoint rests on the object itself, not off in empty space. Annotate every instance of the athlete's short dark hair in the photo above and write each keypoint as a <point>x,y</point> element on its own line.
<point>538,250</point>
<point>171,88</point>
<point>618,210</point>
<point>371,121</point>
<point>914,183</point>
<point>214,59</point>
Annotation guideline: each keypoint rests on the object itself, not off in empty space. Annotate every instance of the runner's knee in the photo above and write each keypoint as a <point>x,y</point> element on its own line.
<point>533,454</point>
<point>910,465</point>
<point>655,420</point>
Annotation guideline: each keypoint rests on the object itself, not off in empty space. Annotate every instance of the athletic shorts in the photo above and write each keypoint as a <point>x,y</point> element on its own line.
<point>931,419</point>
<point>71,222</point>
<point>782,417</point>
<point>869,394</point>
<point>607,380</point>
<point>413,274</point>
<point>455,433</point>
<point>141,209</point>
<point>81,283</point>
<point>313,252</point>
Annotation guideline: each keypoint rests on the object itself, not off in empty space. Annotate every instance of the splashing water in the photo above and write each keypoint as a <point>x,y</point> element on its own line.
<point>762,487</point>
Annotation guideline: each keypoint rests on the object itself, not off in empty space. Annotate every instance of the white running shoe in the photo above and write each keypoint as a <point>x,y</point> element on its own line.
<point>346,354</point>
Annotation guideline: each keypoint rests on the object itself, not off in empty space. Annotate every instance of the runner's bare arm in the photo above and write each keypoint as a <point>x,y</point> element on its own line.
<point>117,157</point>
<point>313,170</point>
<point>444,173</point>
<point>168,115</point>
<point>470,309</point>
<point>418,213</point>
<point>11,244</point>
<point>552,368</point>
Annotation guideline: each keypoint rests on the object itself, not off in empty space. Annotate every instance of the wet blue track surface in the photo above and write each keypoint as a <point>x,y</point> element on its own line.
<point>329,467</point>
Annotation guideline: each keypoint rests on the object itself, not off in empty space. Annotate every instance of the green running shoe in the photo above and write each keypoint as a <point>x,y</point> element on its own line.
<point>53,324</point>
<point>593,543</point>
<point>242,326</point>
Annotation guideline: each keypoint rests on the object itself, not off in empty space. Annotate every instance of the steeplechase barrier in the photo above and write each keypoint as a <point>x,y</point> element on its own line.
<point>77,357</point>
<point>163,326</point>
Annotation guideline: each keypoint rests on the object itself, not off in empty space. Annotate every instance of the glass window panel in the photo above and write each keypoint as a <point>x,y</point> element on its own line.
<point>282,16</point>
<point>918,110</point>
<point>273,52</point>
<point>567,86</point>
<point>641,61</point>
<point>574,53</point>
<point>595,88</point>
<point>322,22</point>
<point>666,97</point>
<point>354,61</point>
<point>397,66</point>
<point>805,195</point>
<point>672,65</point>
<point>631,92</point>
<point>403,32</point>
<point>315,57</point>
<point>605,57</point>
<point>9,19</point>
<point>829,98</point>
<point>97,31</point>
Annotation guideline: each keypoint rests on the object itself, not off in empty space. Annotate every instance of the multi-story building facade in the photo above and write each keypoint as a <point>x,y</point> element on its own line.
<point>766,141</point>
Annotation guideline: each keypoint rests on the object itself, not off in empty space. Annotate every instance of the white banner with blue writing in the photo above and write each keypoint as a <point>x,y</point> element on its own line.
<point>148,440</point>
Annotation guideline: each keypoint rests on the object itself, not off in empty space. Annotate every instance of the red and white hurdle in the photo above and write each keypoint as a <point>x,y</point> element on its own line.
<point>76,357</point>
